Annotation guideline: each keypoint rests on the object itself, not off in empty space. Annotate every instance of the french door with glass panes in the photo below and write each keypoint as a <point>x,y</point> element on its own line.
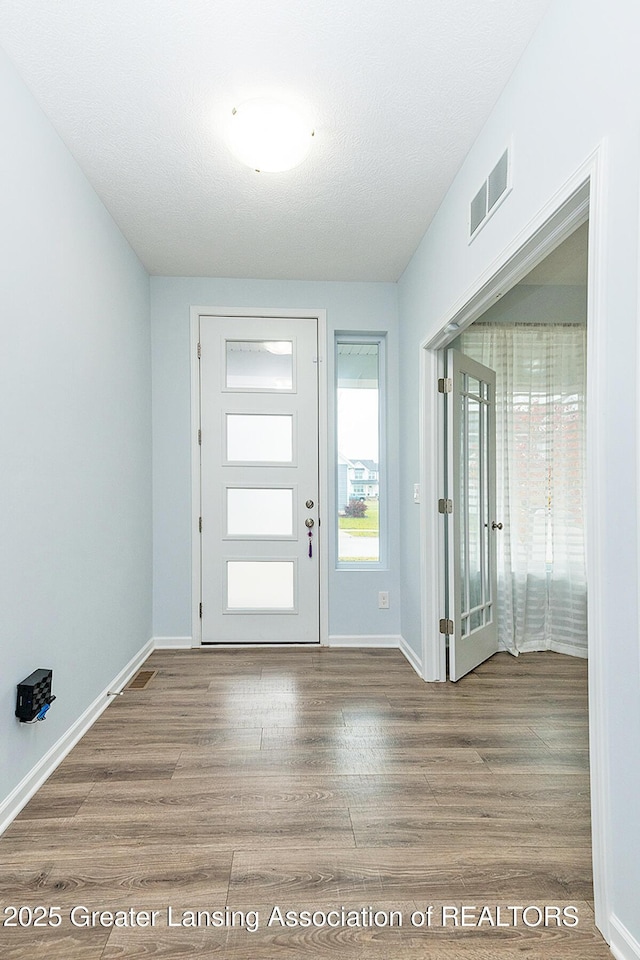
<point>259,480</point>
<point>472,525</point>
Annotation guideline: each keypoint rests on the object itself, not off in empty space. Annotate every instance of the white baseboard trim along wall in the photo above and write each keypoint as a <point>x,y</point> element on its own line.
<point>366,640</point>
<point>624,945</point>
<point>173,643</point>
<point>390,641</point>
<point>412,657</point>
<point>22,793</point>
<point>355,641</point>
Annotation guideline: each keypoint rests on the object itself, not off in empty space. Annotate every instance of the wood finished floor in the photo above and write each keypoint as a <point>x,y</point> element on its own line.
<point>313,779</point>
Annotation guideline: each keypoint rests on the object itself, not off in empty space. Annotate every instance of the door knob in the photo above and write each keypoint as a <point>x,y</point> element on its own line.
<point>496,526</point>
<point>309,522</point>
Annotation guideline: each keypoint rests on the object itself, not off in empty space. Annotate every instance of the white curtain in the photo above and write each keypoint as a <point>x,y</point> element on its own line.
<point>540,439</point>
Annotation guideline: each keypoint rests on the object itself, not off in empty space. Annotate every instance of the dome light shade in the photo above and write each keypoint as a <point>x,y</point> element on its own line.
<point>269,136</point>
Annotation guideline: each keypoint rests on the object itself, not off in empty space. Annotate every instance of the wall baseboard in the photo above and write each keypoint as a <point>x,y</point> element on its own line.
<point>389,641</point>
<point>173,643</point>
<point>365,640</point>
<point>412,657</point>
<point>624,945</point>
<point>11,806</point>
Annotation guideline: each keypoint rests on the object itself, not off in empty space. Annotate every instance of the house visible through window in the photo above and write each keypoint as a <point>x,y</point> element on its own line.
<point>358,383</point>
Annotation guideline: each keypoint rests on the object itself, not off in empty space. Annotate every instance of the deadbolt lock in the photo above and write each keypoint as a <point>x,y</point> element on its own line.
<point>309,504</point>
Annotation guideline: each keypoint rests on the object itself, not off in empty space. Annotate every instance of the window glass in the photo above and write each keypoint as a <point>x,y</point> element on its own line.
<point>358,454</point>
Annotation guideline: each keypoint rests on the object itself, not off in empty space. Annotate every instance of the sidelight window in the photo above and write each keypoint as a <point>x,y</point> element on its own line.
<point>360,450</point>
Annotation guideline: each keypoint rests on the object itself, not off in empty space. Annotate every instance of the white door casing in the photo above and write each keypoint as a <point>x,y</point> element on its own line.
<point>471,546</point>
<point>258,470</point>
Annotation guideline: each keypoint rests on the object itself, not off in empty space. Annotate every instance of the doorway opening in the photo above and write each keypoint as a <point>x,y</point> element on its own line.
<point>516,433</point>
<point>581,199</point>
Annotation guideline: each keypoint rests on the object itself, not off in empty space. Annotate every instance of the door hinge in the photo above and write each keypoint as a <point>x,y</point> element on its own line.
<point>446,627</point>
<point>200,524</point>
<point>445,385</point>
<point>201,611</point>
<point>445,506</point>
<point>199,351</point>
<point>199,437</point>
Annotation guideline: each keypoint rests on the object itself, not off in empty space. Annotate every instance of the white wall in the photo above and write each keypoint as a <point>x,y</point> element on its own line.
<point>370,307</point>
<point>75,434</point>
<point>576,85</point>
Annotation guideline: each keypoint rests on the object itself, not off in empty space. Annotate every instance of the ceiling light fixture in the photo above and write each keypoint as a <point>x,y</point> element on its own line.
<point>269,136</point>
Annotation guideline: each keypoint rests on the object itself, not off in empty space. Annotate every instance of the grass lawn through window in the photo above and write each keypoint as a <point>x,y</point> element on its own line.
<point>367,526</point>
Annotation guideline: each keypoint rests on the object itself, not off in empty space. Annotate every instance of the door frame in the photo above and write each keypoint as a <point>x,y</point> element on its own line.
<point>320,316</point>
<point>581,197</point>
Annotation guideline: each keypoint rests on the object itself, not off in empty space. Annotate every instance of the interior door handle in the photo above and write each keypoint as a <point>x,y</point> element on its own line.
<point>496,526</point>
<point>309,522</point>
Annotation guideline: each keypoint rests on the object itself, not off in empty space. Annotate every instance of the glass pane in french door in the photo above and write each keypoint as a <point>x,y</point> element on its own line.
<point>473,497</point>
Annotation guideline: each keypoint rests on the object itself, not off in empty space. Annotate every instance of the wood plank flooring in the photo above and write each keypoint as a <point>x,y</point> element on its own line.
<point>316,779</point>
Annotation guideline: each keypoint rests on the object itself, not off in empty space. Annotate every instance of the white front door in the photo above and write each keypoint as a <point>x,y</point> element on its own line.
<point>259,480</point>
<point>471,545</point>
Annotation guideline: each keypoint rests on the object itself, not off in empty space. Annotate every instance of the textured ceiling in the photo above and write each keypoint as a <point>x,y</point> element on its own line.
<point>140,91</point>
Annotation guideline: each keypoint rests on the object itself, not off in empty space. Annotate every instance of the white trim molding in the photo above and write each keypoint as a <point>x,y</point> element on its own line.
<point>29,785</point>
<point>413,658</point>
<point>387,640</point>
<point>624,945</point>
<point>174,643</point>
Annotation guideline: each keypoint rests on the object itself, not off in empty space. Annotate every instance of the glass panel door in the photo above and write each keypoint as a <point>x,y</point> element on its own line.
<point>258,528</point>
<point>472,548</point>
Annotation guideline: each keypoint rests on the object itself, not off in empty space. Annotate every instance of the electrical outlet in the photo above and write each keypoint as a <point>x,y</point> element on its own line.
<point>383,600</point>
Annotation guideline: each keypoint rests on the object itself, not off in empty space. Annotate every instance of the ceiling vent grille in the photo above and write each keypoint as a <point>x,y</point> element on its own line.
<point>491,193</point>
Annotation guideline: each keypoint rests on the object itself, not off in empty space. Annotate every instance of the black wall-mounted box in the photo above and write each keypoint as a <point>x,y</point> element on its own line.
<point>33,693</point>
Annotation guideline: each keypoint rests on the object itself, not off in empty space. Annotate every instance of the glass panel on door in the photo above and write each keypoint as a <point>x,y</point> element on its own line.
<point>260,585</point>
<point>259,438</point>
<point>472,560</point>
<point>259,365</point>
<point>259,512</point>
